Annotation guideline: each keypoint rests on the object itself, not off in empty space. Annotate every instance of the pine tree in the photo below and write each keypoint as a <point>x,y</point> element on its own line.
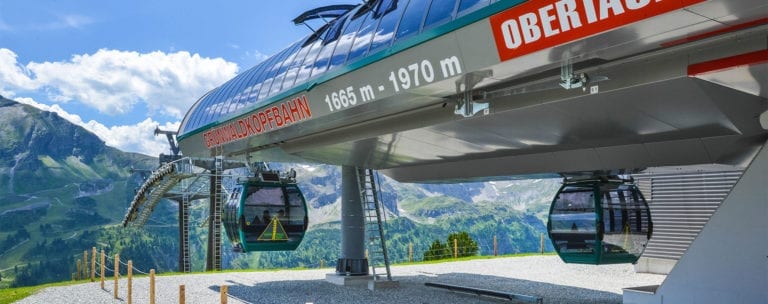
<point>466,245</point>
<point>438,250</point>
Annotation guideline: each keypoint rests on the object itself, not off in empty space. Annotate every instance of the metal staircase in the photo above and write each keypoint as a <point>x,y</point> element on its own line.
<point>374,232</point>
<point>157,185</point>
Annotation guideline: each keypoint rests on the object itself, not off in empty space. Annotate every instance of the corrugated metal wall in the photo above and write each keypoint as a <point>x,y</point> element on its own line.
<point>680,206</point>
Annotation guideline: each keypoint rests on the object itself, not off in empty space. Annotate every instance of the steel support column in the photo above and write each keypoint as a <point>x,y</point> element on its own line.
<point>184,260</point>
<point>352,260</point>
<point>213,258</point>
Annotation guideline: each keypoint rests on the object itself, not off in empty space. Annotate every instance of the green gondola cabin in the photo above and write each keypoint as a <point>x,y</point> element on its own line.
<point>265,214</point>
<point>599,221</point>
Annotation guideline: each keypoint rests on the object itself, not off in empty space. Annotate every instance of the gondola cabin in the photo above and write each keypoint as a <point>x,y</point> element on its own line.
<point>599,221</point>
<point>265,214</point>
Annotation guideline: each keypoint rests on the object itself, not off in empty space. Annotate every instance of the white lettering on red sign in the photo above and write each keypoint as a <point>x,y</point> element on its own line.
<point>536,25</point>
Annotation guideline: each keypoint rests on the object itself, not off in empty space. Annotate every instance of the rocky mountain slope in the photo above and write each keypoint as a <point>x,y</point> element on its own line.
<point>58,182</point>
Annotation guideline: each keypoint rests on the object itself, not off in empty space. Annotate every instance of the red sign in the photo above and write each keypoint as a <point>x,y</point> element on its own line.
<point>537,25</point>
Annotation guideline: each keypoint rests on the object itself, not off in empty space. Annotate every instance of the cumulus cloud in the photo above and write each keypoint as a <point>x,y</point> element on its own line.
<point>137,138</point>
<point>255,56</point>
<point>113,81</point>
<point>12,74</point>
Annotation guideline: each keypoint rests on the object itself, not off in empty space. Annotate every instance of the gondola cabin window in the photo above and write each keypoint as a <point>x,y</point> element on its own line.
<point>265,216</point>
<point>574,220</point>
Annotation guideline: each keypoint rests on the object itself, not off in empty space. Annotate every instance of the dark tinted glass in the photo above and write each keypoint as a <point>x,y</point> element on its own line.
<point>250,95</point>
<point>468,6</point>
<point>270,73</point>
<point>391,12</point>
<point>293,69</point>
<point>363,37</point>
<point>334,31</point>
<point>410,24</point>
<point>439,12</point>
<point>258,85</point>
<point>309,62</point>
<point>193,117</point>
<point>345,40</point>
<point>277,84</point>
<point>329,44</point>
<point>240,90</point>
<point>209,107</point>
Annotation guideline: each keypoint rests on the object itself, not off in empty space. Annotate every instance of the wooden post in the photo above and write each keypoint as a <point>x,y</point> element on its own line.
<point>322,263</point>
<point>151,286</point>
<point>495,247</point>
<point>182,297</point>
<point>224,289</point>
<point>117,272</point>
<point>541,243</point>
<point>130,281</point>
<point>93,265</point>
<point>78,270</point>
<point>85,264</point>
<point>102,269</point>
<point>456,248</point>
<point>410,252</point>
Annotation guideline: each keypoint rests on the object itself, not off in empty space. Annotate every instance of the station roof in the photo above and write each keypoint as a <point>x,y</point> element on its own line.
<point>365,29</point>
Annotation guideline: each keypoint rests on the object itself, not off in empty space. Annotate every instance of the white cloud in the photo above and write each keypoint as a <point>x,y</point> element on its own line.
<point>52,23</point>
<point>12,74</point>
<point>137,138</point>
<point>255,56</point>
<point>75,21</point>
<point>113,81</point>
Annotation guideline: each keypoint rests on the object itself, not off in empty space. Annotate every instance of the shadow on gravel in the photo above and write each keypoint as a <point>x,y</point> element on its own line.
<point>551,293</point>
<point>412,290</point>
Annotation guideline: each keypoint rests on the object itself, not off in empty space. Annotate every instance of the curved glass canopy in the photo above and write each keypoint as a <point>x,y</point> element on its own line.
<point>599,222</point>
<point>366,29</point>
<point>265,216</point>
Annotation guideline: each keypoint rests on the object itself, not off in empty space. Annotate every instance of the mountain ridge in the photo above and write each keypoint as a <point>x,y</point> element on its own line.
<point>63,190</point>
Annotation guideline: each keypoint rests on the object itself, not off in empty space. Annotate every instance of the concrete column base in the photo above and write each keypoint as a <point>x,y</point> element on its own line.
<point>352,267</point>
<point>344,280</point>
<point>360,281</point>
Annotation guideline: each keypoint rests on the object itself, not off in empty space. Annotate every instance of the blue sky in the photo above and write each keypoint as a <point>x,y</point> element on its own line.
<point>120,68</point>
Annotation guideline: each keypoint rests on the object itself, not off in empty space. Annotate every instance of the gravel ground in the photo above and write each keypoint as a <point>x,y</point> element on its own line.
<point>544,276</point>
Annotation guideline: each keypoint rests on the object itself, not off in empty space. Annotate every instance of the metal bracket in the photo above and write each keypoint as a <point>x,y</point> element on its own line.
<point>570,80</point>
<point>466,106</point>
